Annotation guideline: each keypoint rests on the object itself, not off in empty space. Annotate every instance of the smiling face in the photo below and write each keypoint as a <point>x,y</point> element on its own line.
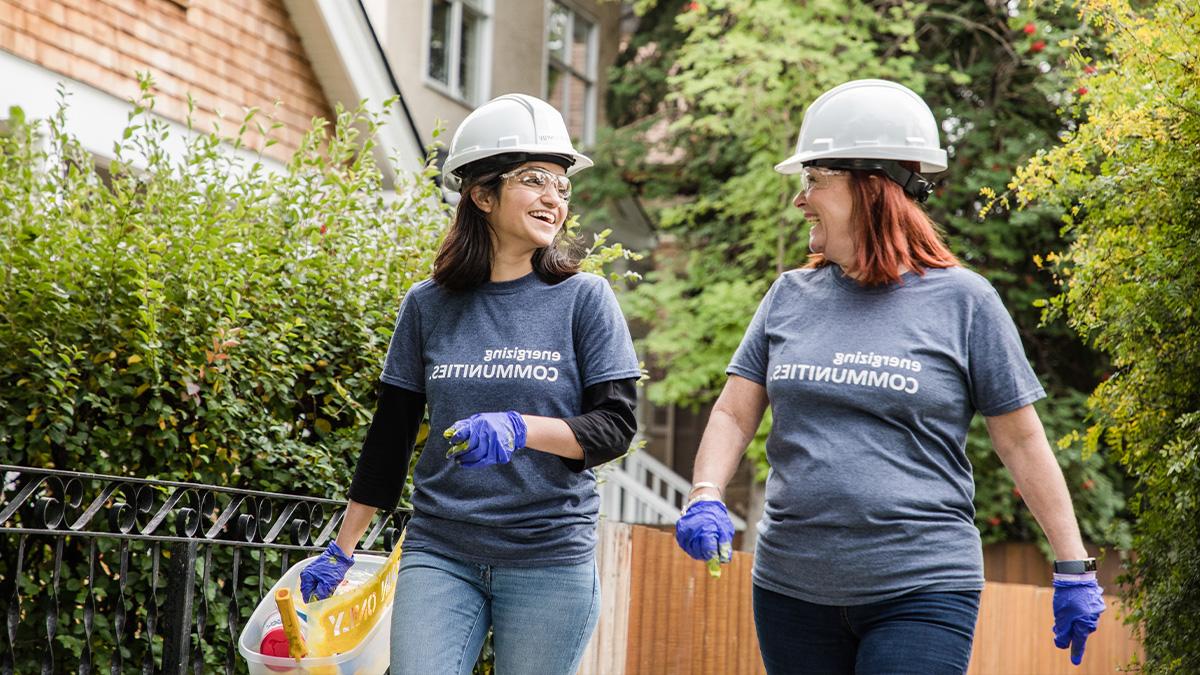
<point>525,217</point>
<point>827,204</point>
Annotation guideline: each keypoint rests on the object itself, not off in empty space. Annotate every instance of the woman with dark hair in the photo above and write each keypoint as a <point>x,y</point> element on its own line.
<point>528,365</point>
<point>874,358</point>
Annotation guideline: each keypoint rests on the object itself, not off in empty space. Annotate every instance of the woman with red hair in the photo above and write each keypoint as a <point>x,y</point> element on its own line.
<point>874,357</point>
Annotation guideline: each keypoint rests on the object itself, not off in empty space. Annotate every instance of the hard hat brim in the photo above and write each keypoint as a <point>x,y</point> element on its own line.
<point>932,160</point>
<point>453,182</point>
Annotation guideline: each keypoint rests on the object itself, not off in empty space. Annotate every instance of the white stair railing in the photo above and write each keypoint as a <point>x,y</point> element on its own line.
<point>640,489</point>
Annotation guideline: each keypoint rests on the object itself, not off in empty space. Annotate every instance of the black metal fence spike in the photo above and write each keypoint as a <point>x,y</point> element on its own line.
<point>89,612</point>
<point>13,614</point>
<point>233,610</point>
<point>118,660</point>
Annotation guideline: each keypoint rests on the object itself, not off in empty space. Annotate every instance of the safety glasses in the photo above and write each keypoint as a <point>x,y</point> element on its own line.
<point>538,180</point>
<point>817,177</point>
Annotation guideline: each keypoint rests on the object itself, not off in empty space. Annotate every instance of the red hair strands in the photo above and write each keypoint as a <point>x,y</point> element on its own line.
<point>892,232</point>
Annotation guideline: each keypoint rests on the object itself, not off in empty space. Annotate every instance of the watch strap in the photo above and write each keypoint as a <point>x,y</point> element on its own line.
<point>1075,566</point>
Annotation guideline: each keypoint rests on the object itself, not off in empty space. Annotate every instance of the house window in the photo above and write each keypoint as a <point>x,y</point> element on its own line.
<point>571,45</point>
<point>456,39</point>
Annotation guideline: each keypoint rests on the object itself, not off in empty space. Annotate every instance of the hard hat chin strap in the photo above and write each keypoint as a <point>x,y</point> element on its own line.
<point>915,185</point>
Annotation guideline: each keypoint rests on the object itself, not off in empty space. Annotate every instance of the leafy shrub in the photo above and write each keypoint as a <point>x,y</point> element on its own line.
<point>194,317</point>
<point>1127,178</point>
<point>201,318</point>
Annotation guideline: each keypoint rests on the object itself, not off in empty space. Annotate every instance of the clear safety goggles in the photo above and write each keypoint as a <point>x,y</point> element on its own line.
<point>817,177</point>
<point>539,180</point>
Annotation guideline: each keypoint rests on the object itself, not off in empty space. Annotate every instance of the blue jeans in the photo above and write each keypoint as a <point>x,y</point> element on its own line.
<point>918,633</point>
<point>541,617</point>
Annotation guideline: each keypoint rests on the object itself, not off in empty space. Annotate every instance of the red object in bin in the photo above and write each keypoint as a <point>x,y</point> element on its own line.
<point>274,642</point>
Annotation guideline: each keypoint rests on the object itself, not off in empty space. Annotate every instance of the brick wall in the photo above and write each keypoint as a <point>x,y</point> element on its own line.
<point>228,54</point>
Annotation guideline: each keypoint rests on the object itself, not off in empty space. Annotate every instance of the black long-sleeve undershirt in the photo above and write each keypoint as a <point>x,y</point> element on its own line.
<point>604,432</point>
<point>388,448</point>
<point>607,425</point>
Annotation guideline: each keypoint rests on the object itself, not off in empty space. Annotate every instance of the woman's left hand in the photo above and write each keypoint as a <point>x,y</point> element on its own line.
<point>1078,603</point>
<point>484,439</point>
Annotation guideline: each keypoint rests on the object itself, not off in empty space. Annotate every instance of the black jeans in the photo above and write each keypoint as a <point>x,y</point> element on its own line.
<point>918,633</point>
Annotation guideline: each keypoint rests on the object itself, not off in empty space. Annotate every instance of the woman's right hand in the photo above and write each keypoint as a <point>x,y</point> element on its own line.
<point>319,579</point>
<point>705,532</point>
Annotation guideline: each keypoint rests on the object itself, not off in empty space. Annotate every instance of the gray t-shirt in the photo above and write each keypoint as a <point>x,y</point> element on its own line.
<point>521,345</point>
<point>872,389</point>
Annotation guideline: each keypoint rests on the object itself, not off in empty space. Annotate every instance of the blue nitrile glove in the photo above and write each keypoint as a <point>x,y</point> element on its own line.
<point>1078,602</point>
<point>705,532</point>
<point>322,576</point>
<point>484,439</point>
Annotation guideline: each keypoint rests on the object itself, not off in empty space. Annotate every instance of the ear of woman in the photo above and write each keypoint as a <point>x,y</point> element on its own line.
<point>485,199</point>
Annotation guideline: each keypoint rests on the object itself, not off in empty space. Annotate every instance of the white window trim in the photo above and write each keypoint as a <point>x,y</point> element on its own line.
<point>485,8</point>
<point>590,75</point>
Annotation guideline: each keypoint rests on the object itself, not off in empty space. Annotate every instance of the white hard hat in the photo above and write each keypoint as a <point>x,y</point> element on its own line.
<point>868,119</point>
<point>512,123</point>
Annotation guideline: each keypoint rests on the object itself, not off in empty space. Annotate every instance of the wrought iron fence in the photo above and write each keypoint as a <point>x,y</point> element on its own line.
<point>110,573</point>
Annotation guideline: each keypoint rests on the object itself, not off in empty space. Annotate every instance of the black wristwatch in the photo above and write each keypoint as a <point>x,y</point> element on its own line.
<point>1075,566</point>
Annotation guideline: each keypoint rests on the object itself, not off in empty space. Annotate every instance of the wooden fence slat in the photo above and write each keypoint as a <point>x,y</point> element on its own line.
<point>685,621</point>
<point>605,653</point>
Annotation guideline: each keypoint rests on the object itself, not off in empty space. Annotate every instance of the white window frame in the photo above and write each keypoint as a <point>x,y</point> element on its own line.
<point>483,50</point>
<point>588,74</point>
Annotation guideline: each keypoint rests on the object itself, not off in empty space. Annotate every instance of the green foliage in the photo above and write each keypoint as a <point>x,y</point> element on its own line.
<point>603,258</point>
<point>1127,179</point>
<point>699,338</point>
<point>638,80</point>
<point>198,318</point>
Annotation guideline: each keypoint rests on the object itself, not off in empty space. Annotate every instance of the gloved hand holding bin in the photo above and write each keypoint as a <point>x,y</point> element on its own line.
<point>346,633</point>
<point>321,578</point>
<point>705,532</point>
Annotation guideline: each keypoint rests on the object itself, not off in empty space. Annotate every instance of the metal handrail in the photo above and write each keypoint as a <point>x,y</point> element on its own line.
<point>629,499</point>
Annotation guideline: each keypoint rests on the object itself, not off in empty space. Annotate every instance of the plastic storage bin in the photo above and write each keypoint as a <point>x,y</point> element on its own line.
<point>369,657</point>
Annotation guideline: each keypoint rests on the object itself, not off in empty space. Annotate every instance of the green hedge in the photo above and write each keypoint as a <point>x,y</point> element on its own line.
<point>201,318</point>
<point>194,317</point>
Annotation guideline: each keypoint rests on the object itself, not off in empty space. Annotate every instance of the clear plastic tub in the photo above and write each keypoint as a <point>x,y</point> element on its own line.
<point>369,657</point>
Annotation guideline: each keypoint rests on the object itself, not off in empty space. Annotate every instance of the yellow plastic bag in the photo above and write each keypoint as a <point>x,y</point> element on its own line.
<point>338,623</point>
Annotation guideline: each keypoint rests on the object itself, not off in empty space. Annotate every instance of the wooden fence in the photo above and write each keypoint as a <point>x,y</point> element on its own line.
<point>1014,635</point>
<point>1022,562</point>
<point>662,614</point>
